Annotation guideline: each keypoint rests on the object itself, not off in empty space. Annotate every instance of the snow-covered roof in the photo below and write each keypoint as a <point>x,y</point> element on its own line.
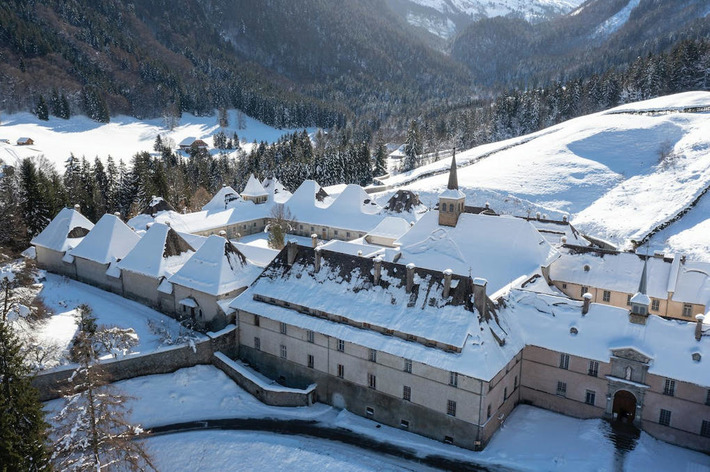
<point>354,248</point>
<point>353,209</point>
<point>222,199</point>
<point>64,232</point>
<point>109,241</point>
<point>159,253</point>
<point>454,194</point>
<point>546,321</point>
<point>23,140</point>
<point>274,187</point>
<point>497,248</point>
<point>253,188</point>
<point>689,281</point>
<point>344,287</point>
<point>391,227</point>
<point>216,268</point>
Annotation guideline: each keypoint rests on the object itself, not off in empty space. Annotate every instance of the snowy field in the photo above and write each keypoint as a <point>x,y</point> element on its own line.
<point>123,137</point>
<point>63,295</point>
<point>204,392</point>
<point>606,170</point>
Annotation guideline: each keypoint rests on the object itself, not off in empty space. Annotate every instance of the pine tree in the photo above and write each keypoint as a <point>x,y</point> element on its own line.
<point>33,204</point>
<point>92,430</point>
<point>41,109</point>
<point>22,427</point>
<point>380,157</point>
<point>412,146</point>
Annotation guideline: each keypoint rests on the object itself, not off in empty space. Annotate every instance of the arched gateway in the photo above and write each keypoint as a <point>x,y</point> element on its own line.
<point>624,408</point>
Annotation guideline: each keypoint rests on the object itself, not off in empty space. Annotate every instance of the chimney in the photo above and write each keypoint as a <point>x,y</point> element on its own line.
<point>317,259</point>
<point>699,326</point>
<point>291,251</point>
<point>563,239</point>
<point>117,215</point>
<point>564,218</point>
<point>410,276</point>
<point>537,215</point>
<point>587,301</point>
<point>223,233</point>
<point>377,270</point>
<point>77,208</point>
<point>480,297</point>
<point>168,224</point>
<point>359,254</point>
<point>314,240</point>
<point>488,206</point>
<point>447,282</point>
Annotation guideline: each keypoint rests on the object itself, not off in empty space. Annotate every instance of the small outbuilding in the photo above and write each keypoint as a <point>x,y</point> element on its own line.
<point>25,142</point>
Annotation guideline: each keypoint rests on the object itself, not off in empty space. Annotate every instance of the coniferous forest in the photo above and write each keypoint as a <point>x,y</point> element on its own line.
<point>354,70</point>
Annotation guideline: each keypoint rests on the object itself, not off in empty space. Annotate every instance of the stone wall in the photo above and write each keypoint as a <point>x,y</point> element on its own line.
<point>278,396</point>
<point>51,383</point>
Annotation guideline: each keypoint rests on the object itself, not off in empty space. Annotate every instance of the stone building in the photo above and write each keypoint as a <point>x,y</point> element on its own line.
<point>157,256</point>
<point>61,235</point>
<point>208,280</point>
<point>677,288</point>
<point>96,256</point>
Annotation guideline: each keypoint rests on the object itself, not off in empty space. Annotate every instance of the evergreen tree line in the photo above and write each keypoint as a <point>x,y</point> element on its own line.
<point>686,67</point>
<point>34,192</point>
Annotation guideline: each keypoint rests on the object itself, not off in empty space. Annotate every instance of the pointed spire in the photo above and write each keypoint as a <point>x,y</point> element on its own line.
<point>453,178</point>
<point>642,282</point>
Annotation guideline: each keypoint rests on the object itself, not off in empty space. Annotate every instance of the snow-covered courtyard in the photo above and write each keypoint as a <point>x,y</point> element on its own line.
<point>531,439</point>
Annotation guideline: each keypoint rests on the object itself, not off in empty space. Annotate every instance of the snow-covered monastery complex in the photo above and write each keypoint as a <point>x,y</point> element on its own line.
<point>440,327</point>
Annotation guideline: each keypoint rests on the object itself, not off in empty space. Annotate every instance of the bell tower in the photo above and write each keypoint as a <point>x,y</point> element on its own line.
<point>452,200</point>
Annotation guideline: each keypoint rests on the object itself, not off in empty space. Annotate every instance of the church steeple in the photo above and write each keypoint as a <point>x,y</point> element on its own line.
<point>640,301</point>
<point>453,177</point>
<point>452,201</point>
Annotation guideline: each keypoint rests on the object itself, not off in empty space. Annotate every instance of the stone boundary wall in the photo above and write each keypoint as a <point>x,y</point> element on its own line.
<point>51,383</point>
<point>275,395</point>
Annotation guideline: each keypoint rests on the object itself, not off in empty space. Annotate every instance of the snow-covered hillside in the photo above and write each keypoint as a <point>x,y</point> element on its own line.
<point>121,138</point>
<point>618,174</point>
<point>439,17</point>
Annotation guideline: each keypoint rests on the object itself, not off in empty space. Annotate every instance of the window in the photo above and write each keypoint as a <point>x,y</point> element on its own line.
<point>707,398</point>
<point>408,366</point>
<point>590,397</point>
<point>606,295</point>
<point>562,389</point>
<point>505,393</point>
<point>404,424</point>
<point>443,208</point>
<point>347,234</point>
<point>665,417</point>
<point>488,412</point>
<point>310,336</point>
<point>283,328</point>
<point>705,429</point>
<point>341,371</point>
<point>283,352</point>
<point>373,355</point>
<point>564,361</point>
<point>311,361</point>
<point>300,226</point>
<point>341,345</point>
<point>655,304</point>
<point>257,320</point>
<point>593,368</point>
<point>448,440</point>
<point>515,382</point>
<point>584,290</point>
<point>669,387</point>
<point>453,379</point>
<point>451,408</point>
<point>628,300</point>
<point>451,207</point>
<point>370,411</point>
<point>407,393</point>
<point>687,310</point>
<point>372,381</point>
<point>336,232</point>
<point>257,344</point>
<point>564,285</point>
<point>312,229</point>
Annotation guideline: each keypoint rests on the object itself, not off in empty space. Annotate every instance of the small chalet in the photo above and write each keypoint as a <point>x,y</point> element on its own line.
<point>25,142</point>
<point>192,142</point>
<point>254,191</point>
